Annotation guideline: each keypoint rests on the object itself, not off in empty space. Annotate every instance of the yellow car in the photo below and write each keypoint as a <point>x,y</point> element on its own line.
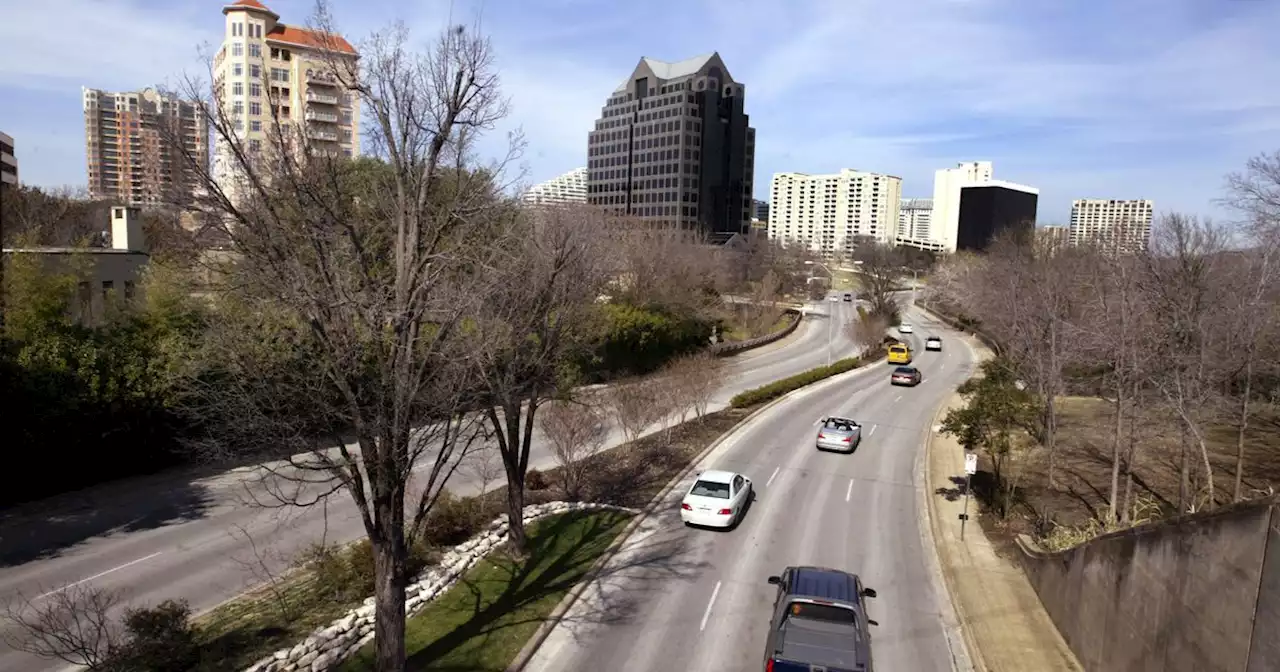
<point>899,353</point>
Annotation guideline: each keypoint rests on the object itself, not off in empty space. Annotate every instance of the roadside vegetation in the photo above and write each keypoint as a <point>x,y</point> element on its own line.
<point>1128,386</point>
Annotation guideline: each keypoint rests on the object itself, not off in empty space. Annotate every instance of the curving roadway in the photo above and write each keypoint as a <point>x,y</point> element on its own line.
<point>695,599</point>
<point>182,536</point>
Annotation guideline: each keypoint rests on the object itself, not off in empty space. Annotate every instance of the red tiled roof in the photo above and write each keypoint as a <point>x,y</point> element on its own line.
<point>308,38</point>
<point>249,3</point>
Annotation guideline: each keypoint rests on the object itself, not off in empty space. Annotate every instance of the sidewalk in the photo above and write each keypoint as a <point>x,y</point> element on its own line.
<point>1006,628</point>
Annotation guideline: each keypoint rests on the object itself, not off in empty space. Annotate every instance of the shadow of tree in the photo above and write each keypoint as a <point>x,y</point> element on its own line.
<point>496,606</point>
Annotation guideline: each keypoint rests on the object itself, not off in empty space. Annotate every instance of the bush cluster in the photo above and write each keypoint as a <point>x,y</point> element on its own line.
<point>778,388</point>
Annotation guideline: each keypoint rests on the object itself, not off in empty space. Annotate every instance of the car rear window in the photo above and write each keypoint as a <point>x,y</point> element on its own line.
<point>710,489</point>
<point>897,348</point>
<point>838,426</point>
<point>828,613</point>
<point>902,369</point>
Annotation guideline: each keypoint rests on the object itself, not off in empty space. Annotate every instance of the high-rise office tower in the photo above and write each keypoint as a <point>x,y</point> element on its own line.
<point>1123,226</point>
<point>970,209</point>
<point>137,144</point>
<point>673,144</point>
<point>267,66</point>
<point>828,214</point>
<point>563,189</point>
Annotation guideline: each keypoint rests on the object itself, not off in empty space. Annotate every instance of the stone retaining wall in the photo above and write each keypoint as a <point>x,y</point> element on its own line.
<point>328,646</point>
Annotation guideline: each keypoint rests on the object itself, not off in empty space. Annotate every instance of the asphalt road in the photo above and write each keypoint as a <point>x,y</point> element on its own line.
<point>693,599</point>
<point>202,538</point>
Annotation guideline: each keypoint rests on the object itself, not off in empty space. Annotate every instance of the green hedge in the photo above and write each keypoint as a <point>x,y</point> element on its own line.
<point>778,388</point>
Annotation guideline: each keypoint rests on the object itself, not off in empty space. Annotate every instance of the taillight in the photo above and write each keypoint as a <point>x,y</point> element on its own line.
<point>686,507</point>
<point>821,435</point>
<point>847,439</point>
<point>724,512</point>
<point>768,665</point>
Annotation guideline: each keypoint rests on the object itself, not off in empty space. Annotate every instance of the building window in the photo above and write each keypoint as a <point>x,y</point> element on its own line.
<point>108,286</point>
<point>279,75</point>
<point>254,146</point>
<point>255,125</point>
<point>237,88</point>
<point>255,89</point>
<point>255,71</point>
<point>237,49</point>
<point>128,290</point>
<point>237,69</point>
<point>237,108</point>
<point>255,50</point>
<point>255,108</point>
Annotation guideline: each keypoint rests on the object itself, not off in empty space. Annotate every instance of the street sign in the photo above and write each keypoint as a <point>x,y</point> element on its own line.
<point>970,463</point>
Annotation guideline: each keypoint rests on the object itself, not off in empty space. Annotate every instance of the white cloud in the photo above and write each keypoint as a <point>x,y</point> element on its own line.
<point>57,44</point>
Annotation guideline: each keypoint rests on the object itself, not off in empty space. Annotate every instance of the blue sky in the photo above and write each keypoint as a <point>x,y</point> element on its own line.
<point>1117,99</point>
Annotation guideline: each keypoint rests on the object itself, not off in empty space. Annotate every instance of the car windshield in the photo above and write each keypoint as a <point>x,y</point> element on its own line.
<point>828,613</point>
<point>710,489</point>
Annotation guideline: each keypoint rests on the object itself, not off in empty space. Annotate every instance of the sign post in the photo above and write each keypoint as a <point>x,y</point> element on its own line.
<point>970,468</point>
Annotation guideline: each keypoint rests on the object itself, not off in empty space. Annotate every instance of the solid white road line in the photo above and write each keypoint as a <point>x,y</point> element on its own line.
<point>773,476</point>
<point>707,614</point>
<point>849,491</point>
<point>98,575</point>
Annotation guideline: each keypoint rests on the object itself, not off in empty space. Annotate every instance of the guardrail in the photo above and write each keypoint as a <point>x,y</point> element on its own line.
<point>725,349</point>
<point>955,323</point>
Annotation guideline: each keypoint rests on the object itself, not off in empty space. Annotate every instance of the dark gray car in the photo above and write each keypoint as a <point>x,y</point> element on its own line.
<point>819,622</point>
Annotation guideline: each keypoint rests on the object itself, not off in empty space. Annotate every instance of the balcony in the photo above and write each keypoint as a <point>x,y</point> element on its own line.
<point>321,77</point>
<point>316,115</point>
<point>324,98</point>
<point>321,134</point>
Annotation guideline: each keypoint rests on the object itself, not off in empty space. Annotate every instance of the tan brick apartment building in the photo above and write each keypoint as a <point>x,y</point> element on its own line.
<point>8,161</point>
<point>135,143</point>
<point>266,66</point>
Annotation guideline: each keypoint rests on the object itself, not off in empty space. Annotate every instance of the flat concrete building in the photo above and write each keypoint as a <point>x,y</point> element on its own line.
<point>265,66</point>
<point>8,161</point>
<point>968,209</point>
<point>988,210</point>
<point>914,216</point>
<point>1121,226</point>
<point>673,145</point>
<point>137,144</point>
<point>569,188</point>
<point>829,214</point>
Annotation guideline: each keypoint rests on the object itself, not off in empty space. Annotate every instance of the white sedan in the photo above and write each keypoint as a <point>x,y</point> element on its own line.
<point>717,499</point>
<point>904,328</point>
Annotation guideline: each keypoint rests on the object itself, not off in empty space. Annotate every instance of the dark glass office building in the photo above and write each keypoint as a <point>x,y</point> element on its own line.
<point>988,211</point>
<point>673,144</point>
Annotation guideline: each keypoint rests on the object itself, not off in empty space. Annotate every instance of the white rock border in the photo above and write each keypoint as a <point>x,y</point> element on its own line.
<point>329,645</point>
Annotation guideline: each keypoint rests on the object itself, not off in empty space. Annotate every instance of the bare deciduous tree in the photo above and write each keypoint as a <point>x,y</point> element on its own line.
<point>351,288</point>
<point>695,379</point>
<point>536,324</point>
<point>631,403</point>
<point>879,273</point>
<point>577,431</point>
<point>76,625</point>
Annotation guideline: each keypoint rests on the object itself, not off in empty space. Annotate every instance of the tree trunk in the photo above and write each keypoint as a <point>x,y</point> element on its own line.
<point>1184,470</point>
<point>1131,456</point>
<point>389,584</point>
<point>1237,491</point>
<point>1116,453</point>
<point>516,536</point>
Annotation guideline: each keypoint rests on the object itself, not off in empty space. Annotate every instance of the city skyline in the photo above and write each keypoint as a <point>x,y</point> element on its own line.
<point>1172,135</point>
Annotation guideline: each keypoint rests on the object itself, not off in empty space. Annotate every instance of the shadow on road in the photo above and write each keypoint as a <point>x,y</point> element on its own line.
<point>46,528</point>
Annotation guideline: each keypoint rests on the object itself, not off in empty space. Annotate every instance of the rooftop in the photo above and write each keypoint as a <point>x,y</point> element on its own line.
<point>664,70</point>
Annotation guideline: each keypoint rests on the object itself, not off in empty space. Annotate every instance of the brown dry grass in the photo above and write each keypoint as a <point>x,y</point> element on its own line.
<point>1083,471</point>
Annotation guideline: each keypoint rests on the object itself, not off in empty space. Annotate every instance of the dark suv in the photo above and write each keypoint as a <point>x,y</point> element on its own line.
<point>819,622</point>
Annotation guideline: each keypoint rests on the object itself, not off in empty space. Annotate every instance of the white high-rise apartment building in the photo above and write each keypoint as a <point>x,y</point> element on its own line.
<point>914,215</point>
<point>938,228</point>
<point>264,63</point>
<point>1124,226</point>
<point>568,188</point>
<point>828,213</point>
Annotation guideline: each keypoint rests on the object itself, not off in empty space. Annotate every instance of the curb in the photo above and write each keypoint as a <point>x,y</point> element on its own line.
<point>544,630</point>
<point>968,657</point>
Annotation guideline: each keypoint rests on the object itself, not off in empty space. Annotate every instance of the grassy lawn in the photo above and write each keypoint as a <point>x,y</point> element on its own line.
<point>488,616</point>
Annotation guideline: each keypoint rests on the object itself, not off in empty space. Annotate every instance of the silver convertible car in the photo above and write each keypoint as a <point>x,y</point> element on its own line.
<point>839,434</point>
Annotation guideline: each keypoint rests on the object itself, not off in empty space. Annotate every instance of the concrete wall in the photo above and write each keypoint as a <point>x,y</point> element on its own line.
<point>1172,597</point>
